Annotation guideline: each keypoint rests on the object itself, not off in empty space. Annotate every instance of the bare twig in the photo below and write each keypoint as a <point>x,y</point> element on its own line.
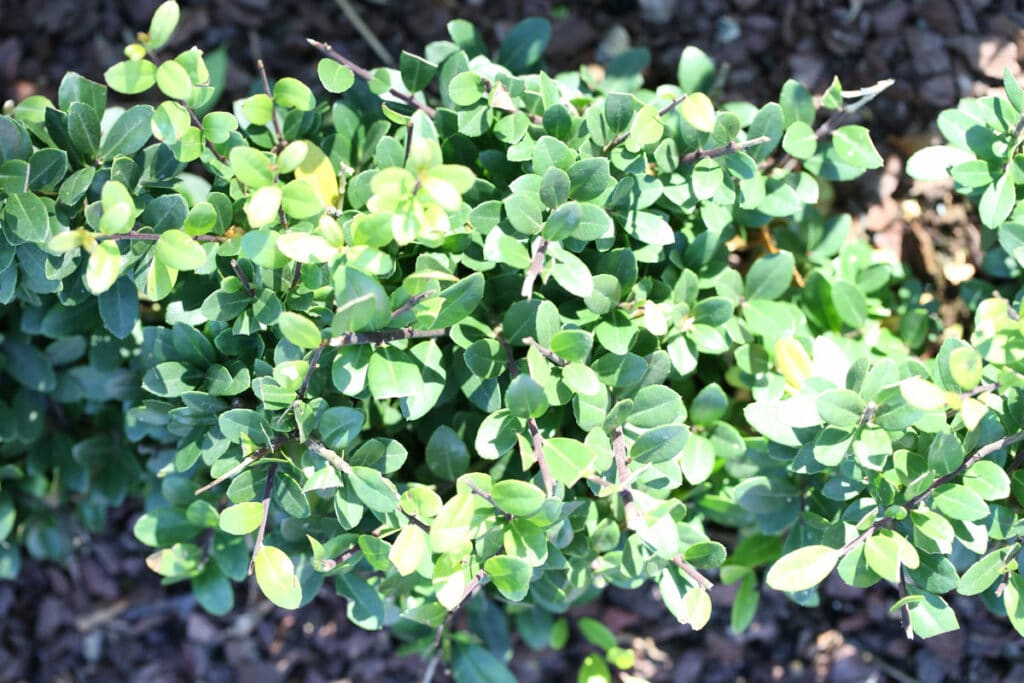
<point>531,423</point>
<point>546,352</point>
<point>984,451</point>
<point>153,237</point>
<point>273,110</point>
<point>536,265</point>
<point>312,367</point>
<point>489,498</point>
<point>412,301</point>
<point>624,135</point>
<point>692,572</point>
<point>248,460</point>
<point>332,458</point>
<point>243,278</point>
<point>384,336</point>
<point>267,489</point>
<point>700,154</point>
<point>367,76</point>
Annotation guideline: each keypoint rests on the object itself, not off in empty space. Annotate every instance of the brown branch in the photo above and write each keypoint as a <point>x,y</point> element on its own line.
<point>489,498</point>
<point>531,423</point>
<point>624,135</point>
<point>273,110</point>
<point>384,336</point>
<point>332,458</point>
<point>153,237</point>
<point>312,367</point>
<point>536,265</point>
<point>546,352</point>
<point>984,451</point>
<point>367,76</point>
<point>701,154</point>
<point>243,278</point>
<point>248,460</point>
<point>692,572</point>
<point>267,489</point>
<point>412,301</point>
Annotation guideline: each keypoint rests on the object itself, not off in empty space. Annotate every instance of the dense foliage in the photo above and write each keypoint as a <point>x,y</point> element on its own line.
<point>470,335</point>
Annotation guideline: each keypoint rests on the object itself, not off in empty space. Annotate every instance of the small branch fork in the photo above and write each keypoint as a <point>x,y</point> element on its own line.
<point>267,490</point>
<point>531,423</point>
<point>366,75</point>
<point>536,265</point>
<point>976,456</point>
<point>623,478</point>
<point>833,122</point>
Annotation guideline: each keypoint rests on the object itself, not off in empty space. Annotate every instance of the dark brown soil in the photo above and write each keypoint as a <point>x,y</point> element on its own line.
<point>105,617</point>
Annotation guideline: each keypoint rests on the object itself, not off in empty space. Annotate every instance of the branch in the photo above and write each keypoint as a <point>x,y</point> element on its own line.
<point>624,135</point>
<point>700,154</point>
<point>832,122</point>
<point>546,352</point>
<point>984,451</point>
<point>312,367</point>
<point>267,489</point>
<point>412,301</point>
<point>330,456</point>
<point>153,237</point>
<point>489,498</point>
<point>536,265</point>
<point>384,336</point>
<point>531,423</point>
<point>248,460</point>
<point>367,76</point>
<point>243,278</point>
<point>692,572</point>
<point>273,110</point>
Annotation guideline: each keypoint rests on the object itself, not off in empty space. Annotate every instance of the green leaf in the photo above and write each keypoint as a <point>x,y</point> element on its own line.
<point>275,575</point>
<point>524,44</point>
<point>241,519</point>
<point>251,166</point>
<point>416,71</point>
<point>26,216</point>
<point>213,591</point>
<point>261,209</point>
<point>525,398</point>
<point>518,498</point>
<point>466,89</point>
<point>118,208</point>
<point>568,459</point>
<point>800,141</point>
<point>695,71</point>
<point>131,77</point>
<point>589,178</point>
<point>362,304</point>
<point>446,454</point>
<point>129,133</point>
<point>563,222</point>
<point>803,568</point>
<point>409,550</point>
<point>935,162</point>
<point>981,574</point>
<point>796,103</point>
<point>1013,603</point>
<point>258,109</point>
<point>510,575</point>
<point>854,146</point>
<point>299,330</point>
<point>997,201</point>
<point>173,80</point>
<point>931,616</point>
<point>104,267</point>
<point>451,528</point>
<point>660,444</point>
<point>119,307</point>
<point>293,93</point>
<point>179,250</point>
<point>959,502</point>
<point>335,77</point>
<point>698,111</point>
<point>770,276</point>
<point>162,25</point>
<point>376,492</point>
<point>887,551</point>
<point>841,407</point>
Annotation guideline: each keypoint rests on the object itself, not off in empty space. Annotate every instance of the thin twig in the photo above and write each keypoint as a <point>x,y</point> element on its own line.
<point>536,265</point>
<point>489,498</point>
<point>384,336</point>
<point>700,154</point>
<point>312,367</point>
<point>367,76</point>
<point>412,301</point>
<point>332,458</point>
<point>153,237</point>
<point>267,489</point>
<point>624,135</point>
<point>248,460</point>
<point>984,451</point>
<point>243,278</point>
<point>273,110</point>
<point>531,423</point>
<point>692,572</point>
<point>546,352</point>
<point>365,32</point>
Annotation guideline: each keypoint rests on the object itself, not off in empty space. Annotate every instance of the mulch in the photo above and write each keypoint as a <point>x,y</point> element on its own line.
<point>105,617</point>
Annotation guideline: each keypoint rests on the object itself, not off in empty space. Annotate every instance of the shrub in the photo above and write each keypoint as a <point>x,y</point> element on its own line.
<point>473,335</point>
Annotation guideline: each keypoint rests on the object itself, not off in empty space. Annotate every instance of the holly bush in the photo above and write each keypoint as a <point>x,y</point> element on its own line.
<point>463,334</point>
